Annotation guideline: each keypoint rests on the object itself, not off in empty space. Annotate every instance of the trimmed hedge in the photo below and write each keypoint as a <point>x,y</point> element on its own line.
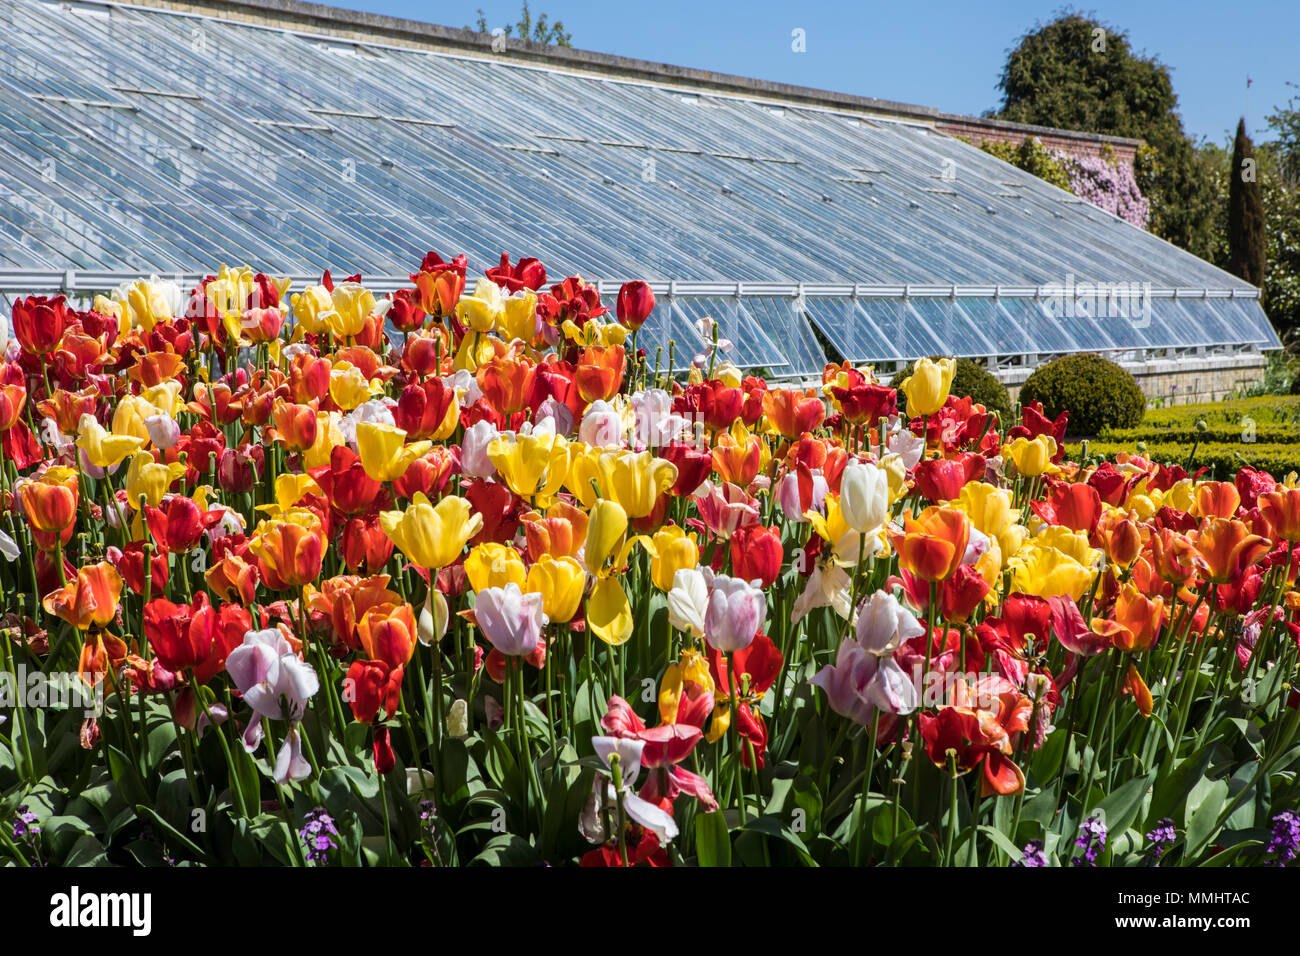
<point>1096,392</point>
<point>1223,459</point>
<point>971,380</point>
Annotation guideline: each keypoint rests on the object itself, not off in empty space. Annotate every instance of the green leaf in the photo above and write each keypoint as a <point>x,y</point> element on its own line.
<point>772,827</point>
<point>1004,843</point>
<point>1204,805</point>
<point>1121,807</point>
<point>712,841</point>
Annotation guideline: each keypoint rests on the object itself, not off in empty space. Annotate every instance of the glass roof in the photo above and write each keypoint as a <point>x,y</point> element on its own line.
<point>153,141</point>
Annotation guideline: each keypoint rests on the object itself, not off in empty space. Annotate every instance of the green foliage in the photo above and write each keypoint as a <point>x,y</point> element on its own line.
<point>1033,157</point>
<point>1222,458</point>
<point>1095,391</point>
<point>1247,248</point>
<point>971,380</point>
<point>1077,73</point>
<point>540,30</point>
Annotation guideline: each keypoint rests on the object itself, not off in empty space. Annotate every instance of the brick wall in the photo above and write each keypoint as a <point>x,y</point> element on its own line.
<point>1083,145</point>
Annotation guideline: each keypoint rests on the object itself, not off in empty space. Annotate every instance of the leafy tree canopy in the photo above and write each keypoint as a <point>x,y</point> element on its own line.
<point>540,30</point>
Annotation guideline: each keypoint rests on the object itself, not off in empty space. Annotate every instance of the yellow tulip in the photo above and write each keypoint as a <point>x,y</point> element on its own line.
<point>673,549</point>
<point>635,480</point>
<point>105,449</point>
<point>129,416</point>
<point>328,434</point>
<point>1046,573</point>
<point>348,386</point>
<point>1032,456</point>
<point>609,615</point>
<point>896,473</point>
<point>1072,544</point>
<point>518,318</point>
<point>606,526</point>
<point>384,453</point>
<point>928,385</point>
<point>692,668</point>
<point>309,307</point>
<point>492,565</point>
<point>149,479</point>
<point>481,309</point>
<point>165,397</point>
<point>584,468</point>
<point>290,488</point>
<point>533,465</point>
<point>432,537</point>
<point>351,304</point>
<point>560,581</point>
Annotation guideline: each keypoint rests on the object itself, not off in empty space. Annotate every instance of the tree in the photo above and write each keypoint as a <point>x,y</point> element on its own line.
<point>1247,245</point>
<point>1077,73</point>
<point>539,30</point>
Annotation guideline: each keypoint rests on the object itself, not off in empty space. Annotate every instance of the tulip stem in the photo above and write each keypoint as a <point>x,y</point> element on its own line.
<point>733,730</point>
<point>866,785</point>
<point>952,808</point>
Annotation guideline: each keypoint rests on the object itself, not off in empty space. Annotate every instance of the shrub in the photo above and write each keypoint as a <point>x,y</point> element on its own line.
<point>1096,392</point>
<point>971,380</point>
<point>1223,459</point>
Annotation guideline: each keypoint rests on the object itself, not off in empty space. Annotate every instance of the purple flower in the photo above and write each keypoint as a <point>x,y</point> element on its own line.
<point>26,826</point>
<point>1286,838</point>
<point>1161,839</point>
<point>1032,855</point>
<point>276,684</point>
<point>317,834</point>
<point>1091,839</point>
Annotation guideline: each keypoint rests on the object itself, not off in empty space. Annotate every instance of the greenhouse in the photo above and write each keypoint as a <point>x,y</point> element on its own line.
<point>162,140</point>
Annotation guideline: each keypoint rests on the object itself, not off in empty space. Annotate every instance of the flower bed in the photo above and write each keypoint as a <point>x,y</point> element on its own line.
<point>454,577</point>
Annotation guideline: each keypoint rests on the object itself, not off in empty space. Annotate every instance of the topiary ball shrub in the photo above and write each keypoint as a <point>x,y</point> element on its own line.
<point>1096,392</point>
<point>971,380</point>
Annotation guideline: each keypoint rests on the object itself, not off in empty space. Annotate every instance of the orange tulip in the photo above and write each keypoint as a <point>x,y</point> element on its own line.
<point>233,579</point>
<point>600,372</point>
<point>1136,621</point>
<point>156,367</point>
<point>793,412</point>
<point>102,653</point>
<point>1281,509</point>
<point>1137,687</point>
<point>346,599</point>
<point>288,555</point>
<point>1121,538</point>
<point>1225,548</point>
<point>387,633</point>
<point>507,382</point>
<point>50,500</point>
<point>90,600</point>
<point>736,462</point>
<point>1216,499</point>
<point>295,425</point>
<point>66,408</point>
<point>1173,556</point>
<point>933,543</point>
<point>559,534</point>
<point>12,400</point>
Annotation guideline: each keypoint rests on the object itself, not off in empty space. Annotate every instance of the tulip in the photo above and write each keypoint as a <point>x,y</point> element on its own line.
<point>427,409</point>
<point>490,565</point>
<point>600,372</point>
<point>180,635</point>
<point>105,449</point>
<point>1031,456</point>
<point>288,555</point>
<point>474,445</point>
<point>933,543</point>
<point>385,456</point>
<point>434,617</point>
<point>636,300</point>
<point>757,554</point>
<point>672,549</point>
<point>635,480</point>
<point>90,600</point>
<point>560,533</point>
<point>1281,509</point>
<point>345,482</point>
<point>373,688</point>
<point>432,537</point>
<point>688,601</point>
<point>928,385</point>
<point>609,614</point>
<point>387,633</point>
<point>737,457</point>
<point>351,305</point>
<point>1216,499</point>
<point>510,619</point>
<point>792,412</point>
<point>1225,547</point>
<point>50,500</point>
<point>606,527</point>
<point>735,613</point>
<point>276,684</point>
<point>295,425</point>
<point>864,497</point>
<point>533,465</point>
<point>561,582</point>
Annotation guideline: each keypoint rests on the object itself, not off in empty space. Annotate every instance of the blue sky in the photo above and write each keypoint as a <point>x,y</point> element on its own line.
<point>945,55</point>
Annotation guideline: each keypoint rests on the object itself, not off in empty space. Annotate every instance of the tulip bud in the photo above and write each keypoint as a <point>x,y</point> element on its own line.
<point>636,300</point>
<point>432,623</point>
